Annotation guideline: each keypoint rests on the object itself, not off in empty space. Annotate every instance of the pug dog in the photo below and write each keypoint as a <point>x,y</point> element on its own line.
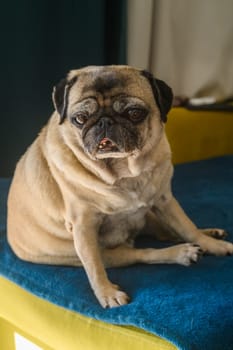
<point>99,174</point>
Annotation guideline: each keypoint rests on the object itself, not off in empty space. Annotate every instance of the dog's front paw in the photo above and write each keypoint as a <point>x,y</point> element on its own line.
<point>188,253</point>
<point>111,296</point>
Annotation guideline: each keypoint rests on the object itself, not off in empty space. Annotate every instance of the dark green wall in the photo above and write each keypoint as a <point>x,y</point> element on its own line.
<point>40,42</point>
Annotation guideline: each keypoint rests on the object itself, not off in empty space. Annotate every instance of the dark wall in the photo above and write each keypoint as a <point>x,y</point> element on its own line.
<point>40,42</point>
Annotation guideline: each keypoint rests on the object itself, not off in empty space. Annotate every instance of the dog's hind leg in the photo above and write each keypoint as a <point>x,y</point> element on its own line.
<point>123,255</point>
<point>154,228</point>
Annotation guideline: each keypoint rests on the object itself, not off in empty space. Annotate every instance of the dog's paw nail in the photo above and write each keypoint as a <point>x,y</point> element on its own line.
<point>193,261</point>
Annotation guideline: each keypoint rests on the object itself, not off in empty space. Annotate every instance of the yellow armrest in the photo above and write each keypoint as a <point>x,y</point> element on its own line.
<point>195,135</point>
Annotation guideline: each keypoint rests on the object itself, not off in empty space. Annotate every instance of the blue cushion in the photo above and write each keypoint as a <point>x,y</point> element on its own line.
<point>191,307</point>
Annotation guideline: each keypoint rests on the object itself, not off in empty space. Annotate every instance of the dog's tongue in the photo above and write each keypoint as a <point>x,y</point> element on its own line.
<point>106,143</point>
<point>105,140</point>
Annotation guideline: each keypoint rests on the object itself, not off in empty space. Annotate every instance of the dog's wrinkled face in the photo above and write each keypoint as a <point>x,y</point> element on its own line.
<point>113,110</point>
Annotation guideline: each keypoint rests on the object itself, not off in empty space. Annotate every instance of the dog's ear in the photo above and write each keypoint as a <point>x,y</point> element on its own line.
<point>162,93</point>
<point>60,96</point>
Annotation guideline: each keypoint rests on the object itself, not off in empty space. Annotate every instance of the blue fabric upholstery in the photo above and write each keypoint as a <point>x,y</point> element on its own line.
<point>190,306</point>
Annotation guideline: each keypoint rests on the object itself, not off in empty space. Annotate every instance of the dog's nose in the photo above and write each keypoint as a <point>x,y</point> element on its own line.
<point>105,122</point>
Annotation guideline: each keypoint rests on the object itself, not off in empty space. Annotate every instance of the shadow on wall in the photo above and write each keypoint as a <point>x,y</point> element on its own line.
<point>41,41</point>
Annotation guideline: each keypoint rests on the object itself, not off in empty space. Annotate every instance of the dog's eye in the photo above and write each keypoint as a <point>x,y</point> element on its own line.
<point>80,118</point>
<point>136,114</point>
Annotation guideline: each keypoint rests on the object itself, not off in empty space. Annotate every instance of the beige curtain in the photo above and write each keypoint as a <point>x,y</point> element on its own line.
<point>187,43</point>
